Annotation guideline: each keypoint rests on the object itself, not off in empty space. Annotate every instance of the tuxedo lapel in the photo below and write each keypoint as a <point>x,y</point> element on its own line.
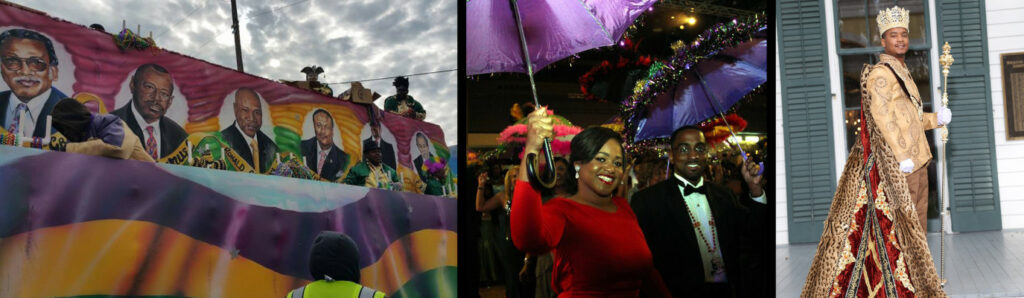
<point>167,140</point>
<point>677,206</point>
<point>132,124</point>
<point>716,207</point>
<point>725,213</point>
<point>680,213</point>
<point>237,142</point>
<point>332,163</point>
<point>265,149</point>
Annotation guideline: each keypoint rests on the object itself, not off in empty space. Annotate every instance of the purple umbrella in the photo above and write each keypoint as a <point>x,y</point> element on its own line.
<point>500,39</point>
<point>712,86</point>
<point>553,29</point>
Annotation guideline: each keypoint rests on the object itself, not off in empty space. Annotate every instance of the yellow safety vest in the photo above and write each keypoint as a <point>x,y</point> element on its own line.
<point>339,288</point>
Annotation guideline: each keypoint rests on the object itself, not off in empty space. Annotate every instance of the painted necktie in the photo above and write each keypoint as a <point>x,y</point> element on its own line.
<point>320,162</point>
<point>17,118</point>
<point>151,143</point>
<point>255,155</point>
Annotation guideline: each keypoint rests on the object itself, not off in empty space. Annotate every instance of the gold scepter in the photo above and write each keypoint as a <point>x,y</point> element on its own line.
<point>945,60</point>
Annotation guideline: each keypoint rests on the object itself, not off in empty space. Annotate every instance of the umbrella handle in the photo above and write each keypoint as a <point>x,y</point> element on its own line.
<point>541,181</point>
<point>760,165</point>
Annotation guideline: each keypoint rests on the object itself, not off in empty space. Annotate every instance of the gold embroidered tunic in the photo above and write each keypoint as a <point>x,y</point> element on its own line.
<point>900,118</point>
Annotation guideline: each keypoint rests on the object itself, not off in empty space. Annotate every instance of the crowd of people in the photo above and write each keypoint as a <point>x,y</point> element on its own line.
<point>698,231</point>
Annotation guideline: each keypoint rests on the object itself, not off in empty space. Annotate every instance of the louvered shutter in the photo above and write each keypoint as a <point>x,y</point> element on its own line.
<point>971,150</point>
<point>807,112</point>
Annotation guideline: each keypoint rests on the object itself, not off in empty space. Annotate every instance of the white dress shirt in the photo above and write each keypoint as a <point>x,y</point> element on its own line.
<point>697,203</point>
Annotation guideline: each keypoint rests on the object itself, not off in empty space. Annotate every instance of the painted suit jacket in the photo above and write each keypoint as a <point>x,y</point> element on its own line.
<point>171,134</point>
<point>898,116</point>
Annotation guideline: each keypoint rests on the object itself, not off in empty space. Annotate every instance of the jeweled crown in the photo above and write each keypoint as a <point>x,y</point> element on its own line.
<point>892,18</point>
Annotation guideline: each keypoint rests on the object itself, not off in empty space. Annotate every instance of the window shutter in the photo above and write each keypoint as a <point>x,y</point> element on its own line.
<point>807,112</point>
<point>971,150</point>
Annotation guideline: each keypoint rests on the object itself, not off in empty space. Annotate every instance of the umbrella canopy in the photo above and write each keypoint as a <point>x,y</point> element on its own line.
<point>554,29</point>
<point>727,77</point>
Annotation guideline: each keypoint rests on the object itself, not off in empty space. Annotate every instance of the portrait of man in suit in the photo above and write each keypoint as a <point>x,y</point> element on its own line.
<point>434,186</point>
<point>152,90</point>
<point>705,241</point>
<point>320,153</point>
<point>387,149</point>
<point>28,65</point>
<point>245,137</point>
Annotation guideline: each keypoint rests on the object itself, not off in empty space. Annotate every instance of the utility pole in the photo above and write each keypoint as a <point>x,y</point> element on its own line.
<point>238,42</point>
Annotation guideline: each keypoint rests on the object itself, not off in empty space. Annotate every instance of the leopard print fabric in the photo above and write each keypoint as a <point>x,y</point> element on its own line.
<point>825,267</point>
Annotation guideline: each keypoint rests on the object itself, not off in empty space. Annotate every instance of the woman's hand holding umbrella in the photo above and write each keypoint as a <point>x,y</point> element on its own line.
<point>538,127</point>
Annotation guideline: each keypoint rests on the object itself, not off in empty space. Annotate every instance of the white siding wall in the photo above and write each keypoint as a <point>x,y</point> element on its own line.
<point>1005,35</point>
<point>781,224</point>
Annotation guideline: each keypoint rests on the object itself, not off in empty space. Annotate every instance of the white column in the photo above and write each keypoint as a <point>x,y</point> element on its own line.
<point>936,81</point>
<point>835,88</point>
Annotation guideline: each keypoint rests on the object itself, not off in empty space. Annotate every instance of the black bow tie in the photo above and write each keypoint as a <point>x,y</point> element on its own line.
<point>687,189</point>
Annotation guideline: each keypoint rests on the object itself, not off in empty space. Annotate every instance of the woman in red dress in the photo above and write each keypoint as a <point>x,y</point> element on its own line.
<point>598,247</point>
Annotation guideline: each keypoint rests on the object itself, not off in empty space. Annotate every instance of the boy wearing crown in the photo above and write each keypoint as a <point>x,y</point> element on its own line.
<point>874,241</point>
<point>897,108</point>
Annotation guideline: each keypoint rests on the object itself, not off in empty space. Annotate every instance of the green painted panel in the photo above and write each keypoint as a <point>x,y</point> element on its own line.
<point>810,173</point>
<point>971,154</point>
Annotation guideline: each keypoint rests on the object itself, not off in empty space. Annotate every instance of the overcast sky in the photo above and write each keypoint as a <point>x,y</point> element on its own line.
<point>351,40</point>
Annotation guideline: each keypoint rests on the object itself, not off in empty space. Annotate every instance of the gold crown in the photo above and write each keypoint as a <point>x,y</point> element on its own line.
<point>892,18</point>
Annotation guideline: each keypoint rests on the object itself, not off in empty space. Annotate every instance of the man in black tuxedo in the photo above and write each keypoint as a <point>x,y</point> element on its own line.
<point>386,149</point>
<point>245,136</point>
<point>705,241</point>
<point>321,154</point>
<point>152,92</point>
<point>29,68</point>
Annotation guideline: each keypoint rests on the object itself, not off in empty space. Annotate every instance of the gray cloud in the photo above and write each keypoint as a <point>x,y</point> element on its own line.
<point>351,40</point>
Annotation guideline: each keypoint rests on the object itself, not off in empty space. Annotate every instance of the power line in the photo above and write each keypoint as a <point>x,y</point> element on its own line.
<point>212,39</point>
<point>258,14</point>
<point>179,21</point>
<point>392,77</point>
<point>278,8</point>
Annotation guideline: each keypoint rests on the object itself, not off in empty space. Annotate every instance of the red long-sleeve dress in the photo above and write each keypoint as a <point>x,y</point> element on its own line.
<point>596,253</point>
